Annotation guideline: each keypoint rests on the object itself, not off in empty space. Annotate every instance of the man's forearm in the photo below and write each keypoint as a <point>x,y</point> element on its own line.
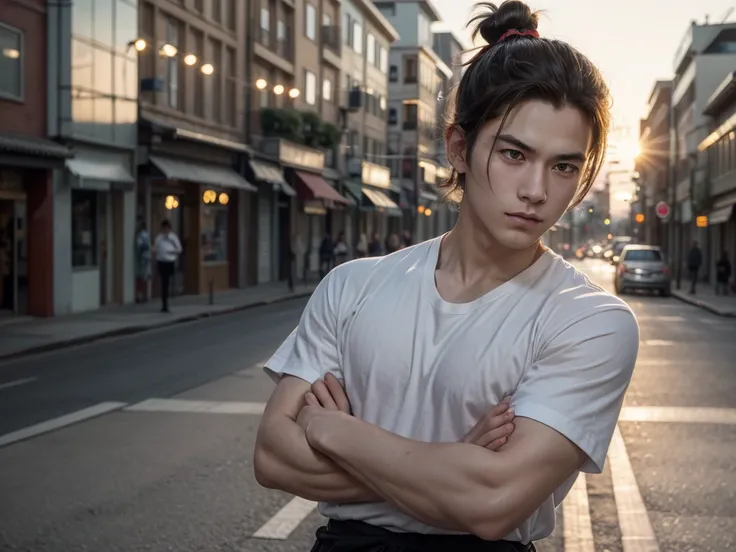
<point>445,485</point>
<point>284,460</point>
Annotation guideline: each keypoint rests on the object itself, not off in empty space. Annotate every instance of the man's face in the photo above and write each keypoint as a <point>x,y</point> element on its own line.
<point>533,174</point>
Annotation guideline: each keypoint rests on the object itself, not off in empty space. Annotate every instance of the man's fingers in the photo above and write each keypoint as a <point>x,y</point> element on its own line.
<point>499,433</point>
<point>338,393</point>
<point>323,394</point>
<point>497,444</point>
<point>311,399</point>
<point>499,409</point>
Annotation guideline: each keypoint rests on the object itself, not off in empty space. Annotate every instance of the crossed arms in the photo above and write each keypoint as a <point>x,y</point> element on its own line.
<point>327,455</point>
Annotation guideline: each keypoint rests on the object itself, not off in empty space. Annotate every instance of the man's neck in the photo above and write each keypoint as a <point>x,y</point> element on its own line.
<point>473,257</point>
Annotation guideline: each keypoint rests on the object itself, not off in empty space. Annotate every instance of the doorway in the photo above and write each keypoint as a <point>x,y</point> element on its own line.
<point>13,257</point>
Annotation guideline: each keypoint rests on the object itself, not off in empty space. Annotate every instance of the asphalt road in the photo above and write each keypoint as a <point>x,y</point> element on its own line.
<point>167,464</point>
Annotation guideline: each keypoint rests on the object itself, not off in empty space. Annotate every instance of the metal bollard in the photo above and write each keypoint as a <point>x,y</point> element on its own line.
<point>212,292</point>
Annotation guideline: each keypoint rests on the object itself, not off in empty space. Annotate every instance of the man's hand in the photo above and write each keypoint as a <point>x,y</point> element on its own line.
<point>492,430</point>
<point>330,394</point>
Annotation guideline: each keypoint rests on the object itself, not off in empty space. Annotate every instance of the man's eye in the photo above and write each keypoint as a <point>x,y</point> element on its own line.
<point>514,155</point>
<point>566,168</point>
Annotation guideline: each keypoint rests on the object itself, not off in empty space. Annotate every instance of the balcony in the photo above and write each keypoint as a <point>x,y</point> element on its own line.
<point>331,45</point>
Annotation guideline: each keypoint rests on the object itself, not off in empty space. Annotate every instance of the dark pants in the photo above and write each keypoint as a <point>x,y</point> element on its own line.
<point>693,278</point>
<point>356,536</point>
<point>721,288</point>
<point>165,272</point>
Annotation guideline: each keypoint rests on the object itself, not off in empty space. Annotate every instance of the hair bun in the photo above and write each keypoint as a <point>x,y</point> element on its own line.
<point>494,20</point>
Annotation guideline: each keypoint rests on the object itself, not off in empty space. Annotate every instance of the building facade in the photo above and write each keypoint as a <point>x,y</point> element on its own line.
<point>719,151</point>
<point>192,138</point>
<point>367,37</point>
<point>705,55</point>
<point>653,166</point>
<point>27,163</point>
<point>92,79</point>
<point>414,85</point>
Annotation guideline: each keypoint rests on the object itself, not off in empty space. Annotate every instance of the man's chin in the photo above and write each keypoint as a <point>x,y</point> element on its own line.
<point>518,241</point>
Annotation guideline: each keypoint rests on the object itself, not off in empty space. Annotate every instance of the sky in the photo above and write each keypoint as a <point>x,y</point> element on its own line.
<point>633,42</point>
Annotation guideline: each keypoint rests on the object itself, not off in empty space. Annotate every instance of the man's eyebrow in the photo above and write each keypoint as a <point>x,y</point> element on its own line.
<point>512,140</point>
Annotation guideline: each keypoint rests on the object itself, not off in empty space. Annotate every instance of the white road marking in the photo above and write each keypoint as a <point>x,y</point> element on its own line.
<point>206,407</point>
<point>637,534</point>
<point>679,414</point>
<point>16,383</point>
<point>653,362</point>
<point>657,342</point>
<point>286,520</point>
<point>61,421</point>
<point>661,318</point>
<point>578,527</point>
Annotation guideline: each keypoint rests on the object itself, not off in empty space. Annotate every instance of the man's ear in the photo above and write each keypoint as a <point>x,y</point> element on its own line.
<point>455,148</point>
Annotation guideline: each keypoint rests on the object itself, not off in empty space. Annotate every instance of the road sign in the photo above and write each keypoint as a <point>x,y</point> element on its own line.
<point>662,209</point>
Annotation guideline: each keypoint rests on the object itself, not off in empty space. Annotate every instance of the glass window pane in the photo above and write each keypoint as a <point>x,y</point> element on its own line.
<point>83,112</point>
<point>103,22</point>
<point>82,18</point>
<point>126,77</point>
<point>214,230</point>
<point>126,26</point>
<point>104,119</point>
<point>11,58</point>
<point>102,71</point>
<point>84,228</point>
<point>81,64</point>
<point>126,115</point>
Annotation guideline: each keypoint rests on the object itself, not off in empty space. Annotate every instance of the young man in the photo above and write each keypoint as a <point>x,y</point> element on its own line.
<point>168,248</point>
<point>427,339</point>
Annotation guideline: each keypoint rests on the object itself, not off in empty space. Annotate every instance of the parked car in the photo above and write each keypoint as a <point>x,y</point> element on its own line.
<point>642,267</point>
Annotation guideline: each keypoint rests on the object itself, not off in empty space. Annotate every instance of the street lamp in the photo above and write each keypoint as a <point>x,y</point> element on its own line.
<point>294,93</point>
<point>169,50</point>
<point>190,59</point>
<point>207,69</point>
<point>261,84</point>
<point>278,89</point>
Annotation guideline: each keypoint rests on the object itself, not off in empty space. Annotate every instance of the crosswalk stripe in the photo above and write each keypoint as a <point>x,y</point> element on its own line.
<point>637,534</point>
<point>286,519</point>
<point>206,407</point>
<point>578,527</point>
<point>679,414</point>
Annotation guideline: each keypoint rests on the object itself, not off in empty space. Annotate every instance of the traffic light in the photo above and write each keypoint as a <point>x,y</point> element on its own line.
<point>639,218</point>
<point>607,221</point>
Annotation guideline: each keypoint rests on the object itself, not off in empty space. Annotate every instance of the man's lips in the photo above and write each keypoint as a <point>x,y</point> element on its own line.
<point>530,217</point>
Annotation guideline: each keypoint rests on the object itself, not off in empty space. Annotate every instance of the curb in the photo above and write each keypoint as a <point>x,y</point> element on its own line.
<point>702,304</point>
<point>131,330</point>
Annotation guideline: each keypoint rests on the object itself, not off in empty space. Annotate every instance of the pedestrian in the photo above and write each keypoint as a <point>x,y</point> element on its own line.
<point>723,274</point>
<point>375,247</point>
<point>341,249</point>
<point>326,255</point>
<point>168,248</point>
<point>142,262</point>
<point>694,262</point>
<point>361,248</point>
<point>384,407</point>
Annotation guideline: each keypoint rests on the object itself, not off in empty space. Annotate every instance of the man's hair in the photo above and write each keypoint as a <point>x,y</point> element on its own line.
<point>516,66</point>
<point>165,223</point>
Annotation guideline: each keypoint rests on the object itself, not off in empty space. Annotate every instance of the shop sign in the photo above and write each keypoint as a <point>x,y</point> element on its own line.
<point>290,153</point>
<point>376,175</point>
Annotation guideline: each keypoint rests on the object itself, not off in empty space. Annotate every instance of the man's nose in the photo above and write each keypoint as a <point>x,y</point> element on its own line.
<point>534,190</point>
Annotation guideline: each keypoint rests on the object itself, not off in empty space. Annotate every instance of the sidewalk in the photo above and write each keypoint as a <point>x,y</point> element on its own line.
<point>707,299</point>
<point>26,335</point>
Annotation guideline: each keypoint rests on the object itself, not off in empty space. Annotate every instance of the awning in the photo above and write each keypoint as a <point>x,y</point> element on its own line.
<point>272,174</point>
<point>202,173</point>
<point>381,201</point>
<point>31,146</point>
<point>719,216</point>
<point>99,174</point>
<point>316,187</point>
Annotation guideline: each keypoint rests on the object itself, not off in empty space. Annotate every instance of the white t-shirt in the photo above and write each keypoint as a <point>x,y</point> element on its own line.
<point>427,369</point>
<point>167,248</point>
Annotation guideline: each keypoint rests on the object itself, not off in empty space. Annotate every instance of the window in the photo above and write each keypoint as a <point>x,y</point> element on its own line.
<point>265,26</point>
<point>213,237</point>
<point>643,255</point>
<point>393,74</point>
<point>216,10</point>
<point>282,44</point>
<point>11,63</point>
<point>346,30</point>
<point>326,20</point>
<point>327,90</point>
<point>410,116</point>
<point>410,69</point>
<point>310,20</point>
<point>310,88</point>
<point>84,228</point>
<point>357,38</point>
<point>392,119</point>
<point>383,59</point>
<point>370,48</point>
<point>172,64</point>
<point>230,88</point>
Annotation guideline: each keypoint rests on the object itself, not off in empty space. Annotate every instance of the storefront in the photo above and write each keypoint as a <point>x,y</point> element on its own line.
<point>203,203</point>
<point>377,212</point>
<point>94,211</point>
<point>26,224</point>
<point>315,199</point>
<point>272,225</point>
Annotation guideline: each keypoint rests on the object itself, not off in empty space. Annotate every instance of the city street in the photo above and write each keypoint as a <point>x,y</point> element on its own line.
<point>144,443</point>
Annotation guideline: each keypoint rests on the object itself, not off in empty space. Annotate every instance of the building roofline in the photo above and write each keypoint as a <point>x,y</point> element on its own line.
<point>724,92</point>
<point>378,18</point>
<point>441,65</point>
<point>426,5</point>
<point>453,36</point>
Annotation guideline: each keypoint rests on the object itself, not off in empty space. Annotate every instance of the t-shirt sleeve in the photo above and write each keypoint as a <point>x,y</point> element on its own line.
<point>577,385</point>
<point>310,351</point>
